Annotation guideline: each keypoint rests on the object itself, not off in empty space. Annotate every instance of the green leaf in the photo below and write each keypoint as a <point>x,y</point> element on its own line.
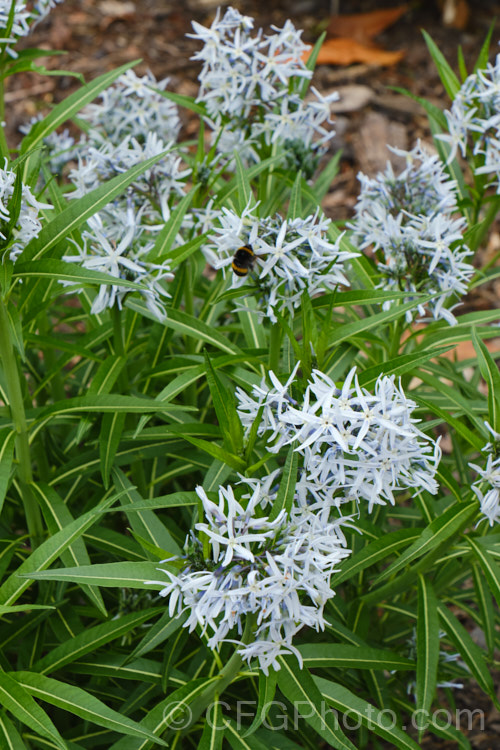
<point>158,633</point>
<point>469,651</point>
<point>81,703</point>
<point>379,549</point>
<point>79,210</point>
<point>105,403</point>
<point>19,702</point>
<point>63,111</point>
<point>57,515</point>
<point>267,691</point>
<point>489,566</point>
<point>325,178</point>
<point>91,639</point>
<point>427,646</point>
<point>448,77</point>
<point>489,371</point>
<point>460,428</point>
<point>369,716</point>
<point>295,202</point>
<point>187,325</point>
<point>7,440</point>
<point>213,732</point>
<point>109,440</point>
<point>288,480</point>
<point>183,101</point>
<point>299,687</point>
<point>238,741</point>
<point>311,61</point>
<point>254,332</point>
<point>10,738</point>
<point>225,409</point>
<point>355,328</point>
<point>16,329</point>
<point>216,451</point>
<point>132,575</point>
<point>486,609</point>
<point>244,196</point>
<point>145,523</point>
<point>340,655</point>
<point>48,552</point>
<point>167,235</point>
<point>440,530</point>
<point>59,270</point>
<point>399,365</point>
<point>484,53</point>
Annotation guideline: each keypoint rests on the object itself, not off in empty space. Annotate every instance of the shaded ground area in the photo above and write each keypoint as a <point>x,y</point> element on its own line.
<point>102,34</point>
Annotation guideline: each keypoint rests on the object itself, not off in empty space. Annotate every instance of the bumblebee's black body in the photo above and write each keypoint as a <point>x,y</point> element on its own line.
<point>243,260</point>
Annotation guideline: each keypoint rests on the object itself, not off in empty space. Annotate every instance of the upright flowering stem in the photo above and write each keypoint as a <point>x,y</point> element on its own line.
<point>15,398</point>
<point>226,676</point>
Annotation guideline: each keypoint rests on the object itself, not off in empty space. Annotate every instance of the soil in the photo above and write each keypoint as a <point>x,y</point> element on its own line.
<point>99,35</point>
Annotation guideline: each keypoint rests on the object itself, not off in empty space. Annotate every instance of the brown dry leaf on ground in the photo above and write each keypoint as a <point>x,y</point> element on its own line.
<point>353,38</point>
<point>363,27</point>
<point>346,51</point>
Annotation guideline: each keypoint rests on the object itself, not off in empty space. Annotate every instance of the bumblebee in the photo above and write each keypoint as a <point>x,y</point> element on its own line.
<point>243,260</point>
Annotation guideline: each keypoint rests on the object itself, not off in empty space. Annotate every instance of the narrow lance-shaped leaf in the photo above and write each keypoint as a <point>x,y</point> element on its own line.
<point>368,716</point>
<point>57,515</point>
<point>298,686</point>
<point>288,481</point>
<point>427,646</point>
<point>225,409</point>
<point>80,209</point>
<point>489,371</point>
<point>244,194</point>
<point>80,703</point>
<point>469,651</point>
<point>213,731</point>
<point>267,691</point>
<point>48,552</point>
<point>7,439</point>
<point>19,703</point>
<point>109,440</point>
<point>63,111</point>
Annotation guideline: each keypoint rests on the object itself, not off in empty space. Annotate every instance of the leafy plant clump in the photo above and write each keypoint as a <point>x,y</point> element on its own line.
<point>248,494</point>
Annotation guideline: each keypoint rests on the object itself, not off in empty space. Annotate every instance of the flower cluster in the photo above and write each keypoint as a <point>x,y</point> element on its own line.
<point>133,107</point>
<point>22,19</point>
<point>489,496</point>
<point>132,123</point>
<point>290,257</point>
<point>117,243</point>
<point>275,572</point>
<point>355,445</point>
<point>473,122</point>
<point>250,87</point>
<point>14,237</point>
<point>409,220</point>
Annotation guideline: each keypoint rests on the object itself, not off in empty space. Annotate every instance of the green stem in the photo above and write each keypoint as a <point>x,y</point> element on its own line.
<point>15,397</point>
<point>225,678</point>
